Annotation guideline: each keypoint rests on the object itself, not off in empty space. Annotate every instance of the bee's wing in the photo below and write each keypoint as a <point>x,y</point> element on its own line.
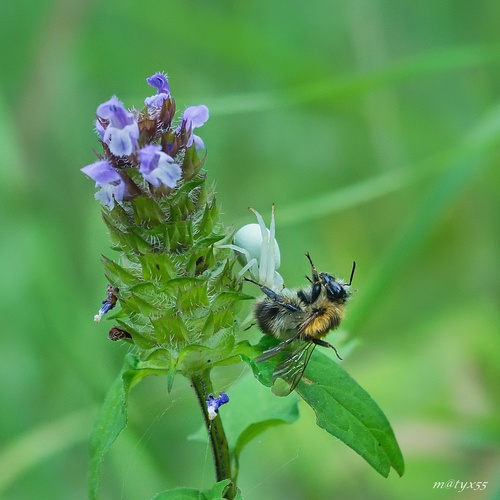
<point>292,367</point>
<point>276,349</point>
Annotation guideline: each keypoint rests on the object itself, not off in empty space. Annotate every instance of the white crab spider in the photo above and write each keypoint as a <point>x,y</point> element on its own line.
<point>260,253</point>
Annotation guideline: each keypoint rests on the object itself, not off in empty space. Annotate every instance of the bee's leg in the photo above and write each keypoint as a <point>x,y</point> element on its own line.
<point>324,344</point>
<point>316,284</point>
<point>275,297</point>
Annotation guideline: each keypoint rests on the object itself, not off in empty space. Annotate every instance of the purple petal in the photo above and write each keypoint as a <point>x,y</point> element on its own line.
<point>109,193</point>
<point>160,82</point>
<point>155,101</point>
<point>198,141</point>
<point>195,116</point>
<point>109,180</point>
<point>101,172</point>
<point>148,157</point>
<point>157,167</point>
<point>122,142</point>
<point>114,111</point>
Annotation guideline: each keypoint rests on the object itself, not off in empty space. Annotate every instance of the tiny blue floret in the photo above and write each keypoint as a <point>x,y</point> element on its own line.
<point>122,132</point>
<point>112,186</point>
<point>160,82</point>
<point>194,117</point>
<point>107,304</point>
<point>213,404</point>
<point>157,167</point>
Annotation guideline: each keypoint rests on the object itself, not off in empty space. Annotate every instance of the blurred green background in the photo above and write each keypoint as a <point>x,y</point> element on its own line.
<point>374,126</point>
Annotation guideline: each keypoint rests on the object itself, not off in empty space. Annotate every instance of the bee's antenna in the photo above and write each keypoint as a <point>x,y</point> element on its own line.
<point>315,275</point>
<point>309,259</point>
<point>352,273</point>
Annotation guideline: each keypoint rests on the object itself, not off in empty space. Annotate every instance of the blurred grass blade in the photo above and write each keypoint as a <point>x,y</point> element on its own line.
<point>113,417</point>
<point>438,198</point>
<point>479,138</point>
<point>40,444</point>
<point>328,89</point>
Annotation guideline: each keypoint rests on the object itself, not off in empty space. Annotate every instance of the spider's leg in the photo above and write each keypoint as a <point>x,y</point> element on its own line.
<point>264,249</point>
<point>271,263</point>
<point>251,264</point>
<point>275,297</point>
<point>236,248</point>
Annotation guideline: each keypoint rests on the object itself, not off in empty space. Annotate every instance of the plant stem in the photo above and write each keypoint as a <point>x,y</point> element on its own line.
<point>202,386</point>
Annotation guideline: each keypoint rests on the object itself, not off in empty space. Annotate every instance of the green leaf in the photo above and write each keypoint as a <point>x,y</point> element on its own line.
<point>196,358</point>
<point>192,164</point>
<point>253,410</point>
<point>180,494</point>
<point>217,492</point>
<point>209,219</point>
<point>141,340</point>
<point>113,417</point>
<point>118,275</point>
<point>185,189</point>
<point>169,326</point>
<point>227,299</point>
<point>192,298</point>
<point>345,410</point>
<point>127,240</point>
<point>137,304</point>
<point>147,212</point>
<point>157,266</point>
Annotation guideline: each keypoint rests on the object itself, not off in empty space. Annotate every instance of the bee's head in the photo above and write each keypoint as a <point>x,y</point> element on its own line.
<point>335,290</point>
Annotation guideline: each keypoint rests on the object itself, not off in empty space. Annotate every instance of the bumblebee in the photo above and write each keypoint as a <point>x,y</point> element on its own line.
<point>301,318</point>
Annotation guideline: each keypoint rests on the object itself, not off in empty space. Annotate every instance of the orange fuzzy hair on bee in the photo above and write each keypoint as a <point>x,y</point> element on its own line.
<point>322,319</point>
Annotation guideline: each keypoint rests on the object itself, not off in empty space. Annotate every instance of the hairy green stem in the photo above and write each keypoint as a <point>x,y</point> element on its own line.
<point>202,386</point>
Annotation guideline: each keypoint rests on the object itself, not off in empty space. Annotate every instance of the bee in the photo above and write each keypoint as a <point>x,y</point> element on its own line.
<point>301,318</point>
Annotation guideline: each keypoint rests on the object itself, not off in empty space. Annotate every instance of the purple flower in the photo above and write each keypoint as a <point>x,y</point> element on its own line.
<point>157,167</point>
<point>213,404</point>
<point>112,186</point>
<point>107,304</point>
<point>122,132</point>
<point>194,117</point>
<point>160,83</point>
